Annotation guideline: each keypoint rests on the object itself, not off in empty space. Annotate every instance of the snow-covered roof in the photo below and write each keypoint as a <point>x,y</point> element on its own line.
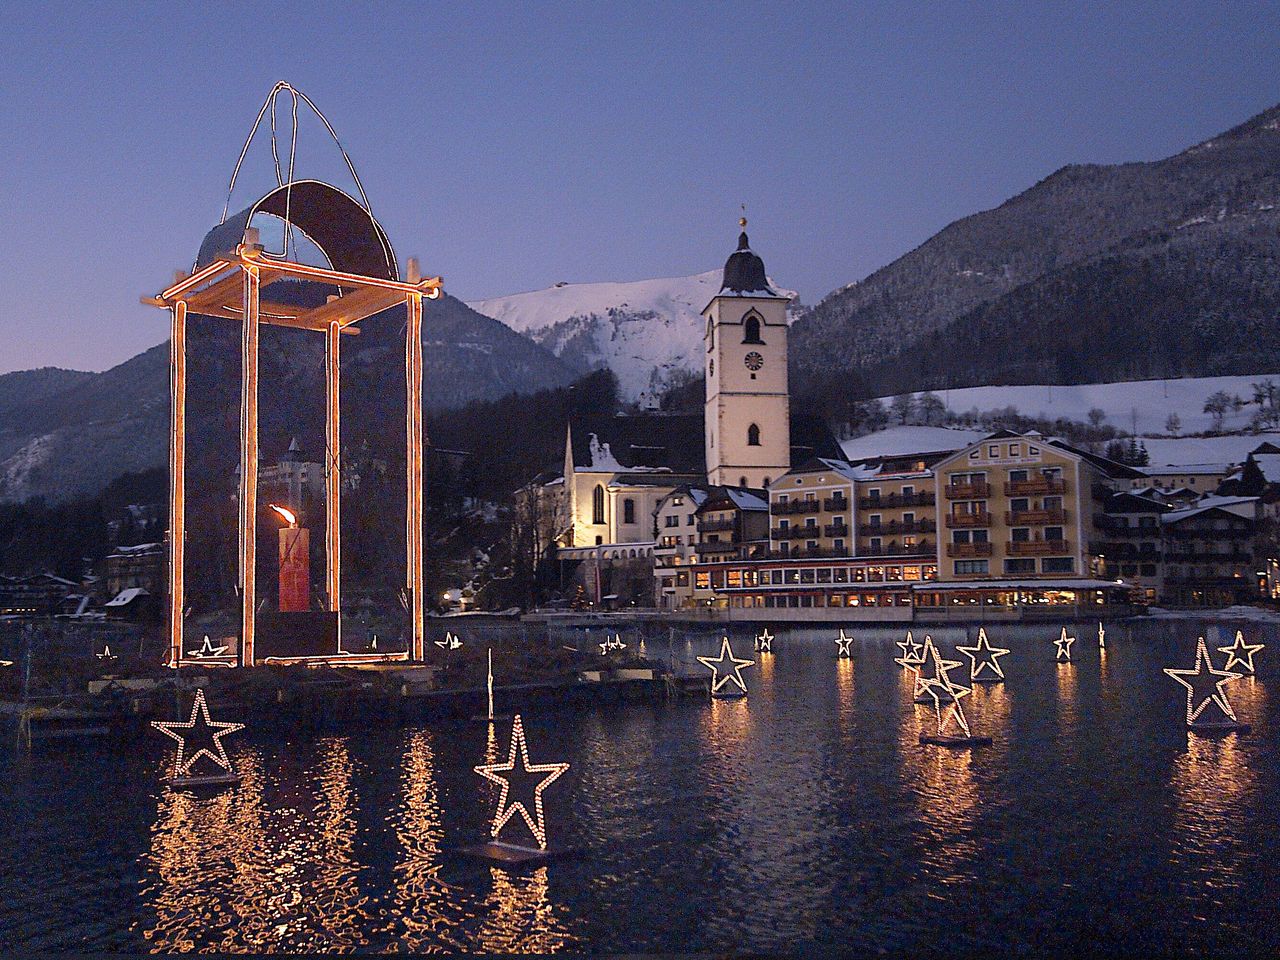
<point>125,597</point>
<point>1269,464</point>
<point>140,549</point>
<point>899,441</point>
<point>746,500</point>
<point>1189,469</point>
<point>1208,503</point>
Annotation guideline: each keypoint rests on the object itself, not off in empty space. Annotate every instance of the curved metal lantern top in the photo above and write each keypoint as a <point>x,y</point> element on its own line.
<point>347,233</point>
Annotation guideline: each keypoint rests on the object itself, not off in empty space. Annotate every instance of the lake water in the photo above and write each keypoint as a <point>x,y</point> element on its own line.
<point>806,814</point>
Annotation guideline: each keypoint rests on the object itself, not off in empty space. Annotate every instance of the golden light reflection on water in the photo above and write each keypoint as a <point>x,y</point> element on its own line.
<point>943,784</point>
<point>234,873</point>
<point>1068,693</point>
<point>519,916</point>
<point>424,911</point>
<point>844,689</point>
<point>1213,781</point>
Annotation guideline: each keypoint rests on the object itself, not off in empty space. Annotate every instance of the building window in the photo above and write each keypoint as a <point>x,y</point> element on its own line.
<point>1020,565</point>
<point>971,566</point>
<point>767,481</point>
<point>628,510</point>
<point>597,504</point>
<point>751,329</point>
<point>1058,565</point>
<point>753,436</point>
<point>742,482</point>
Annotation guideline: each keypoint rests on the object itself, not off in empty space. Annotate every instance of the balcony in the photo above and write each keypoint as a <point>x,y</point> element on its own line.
<point>896,526</point>
<point>1210,556</point>
<point>1036,548</point>
<point>1025,518</point>
<point>836,530</point>
<point>717,547</point>
<point>835,504</point>
<point>967,520</point>
<point>716,526</point>
<point>962,550</point>
<point>817,553</point>
<point>795,533</point>
<point>978,490</point>
<point>1035,487</point>
<point>922,549</point>
<point>794,506</point>
<point>923,499</point>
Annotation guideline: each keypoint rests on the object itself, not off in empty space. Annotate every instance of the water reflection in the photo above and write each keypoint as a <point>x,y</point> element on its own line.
<point>238,871</point>
<point>1213,783</point>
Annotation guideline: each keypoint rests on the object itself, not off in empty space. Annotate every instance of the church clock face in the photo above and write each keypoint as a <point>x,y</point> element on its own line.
<point>753,361</point>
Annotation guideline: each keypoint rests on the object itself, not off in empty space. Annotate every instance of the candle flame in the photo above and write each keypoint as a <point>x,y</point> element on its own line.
<point>289,516</point>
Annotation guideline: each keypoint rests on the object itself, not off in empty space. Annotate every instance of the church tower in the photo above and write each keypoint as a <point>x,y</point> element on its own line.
<point>748,433</point>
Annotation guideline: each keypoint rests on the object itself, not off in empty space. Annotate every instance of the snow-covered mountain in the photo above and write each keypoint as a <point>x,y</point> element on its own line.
<point>648,332</point>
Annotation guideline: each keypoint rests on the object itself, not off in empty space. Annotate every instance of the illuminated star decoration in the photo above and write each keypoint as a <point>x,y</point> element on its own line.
<point>928,686</point>
<point>1102,636</point>
<point>209,733</point>
<point>940,687</point>
<point>1063,643</point>
<point>506,810</point>
<point>1240,653</point>
<point>450,642</point>
<point>106,653</point>
<point>983,656</point>
<point>1202,689</point>
<point>207,649</point>
<point>912,652</point>
<point>842,646</point>
<point>764,641</point>
<point>731,674</point>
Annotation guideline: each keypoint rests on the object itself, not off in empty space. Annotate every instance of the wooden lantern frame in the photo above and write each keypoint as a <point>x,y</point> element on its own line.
<point>230,287</point>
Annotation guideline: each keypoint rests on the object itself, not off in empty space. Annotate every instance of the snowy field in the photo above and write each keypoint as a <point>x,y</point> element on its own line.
<point>1150,400</point>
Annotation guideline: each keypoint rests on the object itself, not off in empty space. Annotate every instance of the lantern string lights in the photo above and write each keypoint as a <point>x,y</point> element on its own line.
<point>764,641</point>
<point>1240,654</point>
<point>984,657</point>
<point>1102,636</point>
<point>1063,643</point>
<point>205,733</point>
<point>1203,689</point>
<point>940,687</point>
<point>547,773</point>
<point>842,646</point>
<point>722,675</point>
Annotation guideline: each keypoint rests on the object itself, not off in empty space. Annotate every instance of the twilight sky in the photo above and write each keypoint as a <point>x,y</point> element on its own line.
<point>513,147</point>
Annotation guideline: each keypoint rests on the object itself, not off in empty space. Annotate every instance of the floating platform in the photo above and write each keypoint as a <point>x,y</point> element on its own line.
<point>986,679</point>
<point>729,695</point>
<point>926,698</point>
<point>1219,726</point>
<point>512,856</point>
<point>212,780</point>
<point>955,743</point>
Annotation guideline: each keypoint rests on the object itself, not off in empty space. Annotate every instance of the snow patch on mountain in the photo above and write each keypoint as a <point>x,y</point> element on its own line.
<point>648,332</point>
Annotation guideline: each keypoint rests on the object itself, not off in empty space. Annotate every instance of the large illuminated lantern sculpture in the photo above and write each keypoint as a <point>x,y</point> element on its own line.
<point>237,279</point>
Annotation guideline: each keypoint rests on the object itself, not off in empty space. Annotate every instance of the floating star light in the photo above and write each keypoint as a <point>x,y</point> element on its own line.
<point>983,656</point>
<point>940,688</point>
<point>207,649</point>
<point>764,641</point>
<point>616,643</point>
<point>922,686</point>
<point>106,654</point>
<point>731,673</point>
<point>1063,643</point>
<point>207,733</point>
<point>450,642</point>
<point>842,646</point>
<point>547,773</point>
<point>1240,653</point>
<point>1202,688</point>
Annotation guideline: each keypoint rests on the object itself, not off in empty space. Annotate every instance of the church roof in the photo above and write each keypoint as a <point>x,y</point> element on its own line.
<point>654,441</point>
<point>744,274</point>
